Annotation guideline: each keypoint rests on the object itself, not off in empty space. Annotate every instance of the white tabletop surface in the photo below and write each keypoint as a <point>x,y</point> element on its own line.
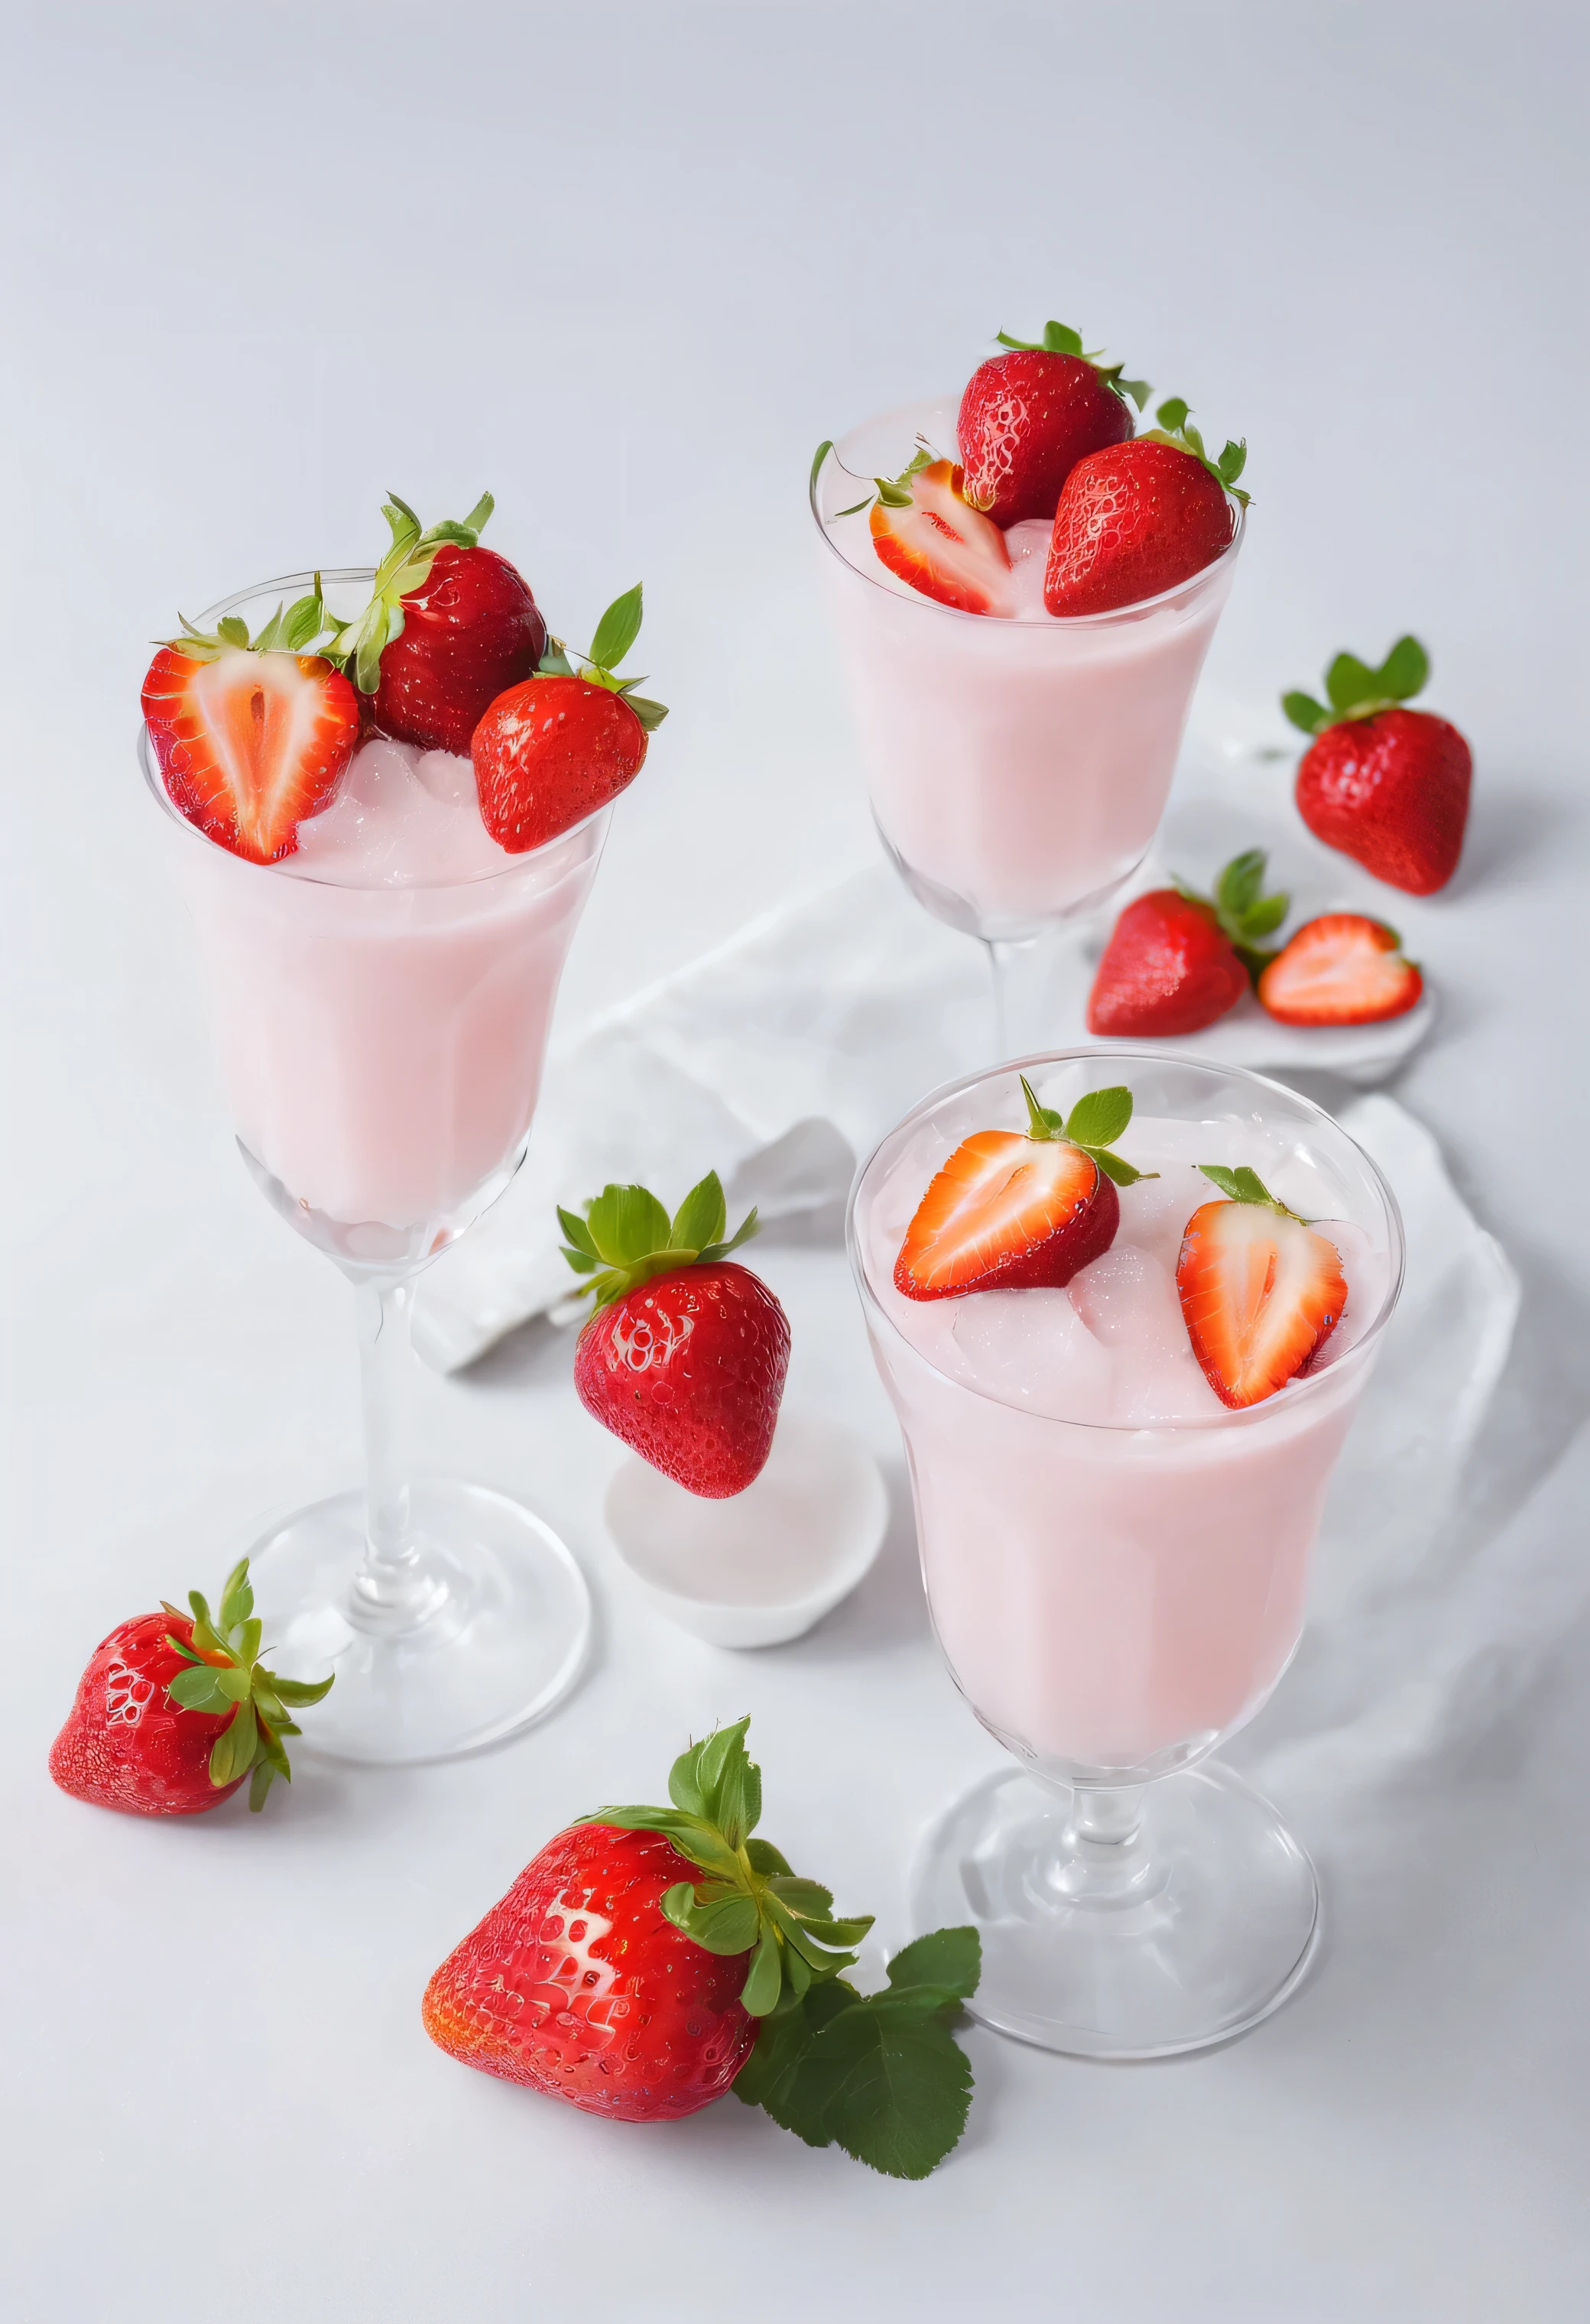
<point>626,263</point>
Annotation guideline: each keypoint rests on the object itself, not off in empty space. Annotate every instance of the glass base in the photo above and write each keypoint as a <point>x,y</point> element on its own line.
<point>1189,1928</point>
<point>501,1635</point>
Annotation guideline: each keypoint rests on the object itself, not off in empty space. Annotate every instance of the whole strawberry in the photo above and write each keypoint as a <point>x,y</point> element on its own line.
<point>550,751</point>
<point>650,1958</point>
<point>685,1355</point>
<point>1139,518</point>
<point>1176,961</point>
<point>448,626</point>
<point>175,1710</point>
<point>1028,416</point>
<point>1387,786</point>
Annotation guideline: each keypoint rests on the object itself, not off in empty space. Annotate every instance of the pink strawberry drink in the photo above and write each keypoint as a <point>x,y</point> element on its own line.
<point>1115,1561</point>
<point>1018,765</point>
<point>380,999</point>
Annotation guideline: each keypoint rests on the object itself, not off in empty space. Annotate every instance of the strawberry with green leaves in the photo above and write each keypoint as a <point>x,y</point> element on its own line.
<point>1386,785</point>
<point>1017,1210</point>
<point>1261,1290</point>
<point>1140,517</point>
<point>650,1958</point>
<point>685,1353</point>
<point>551,751</point>
<point>1176,961</point>
<point>175,1710</point>
<point>1029,415</point>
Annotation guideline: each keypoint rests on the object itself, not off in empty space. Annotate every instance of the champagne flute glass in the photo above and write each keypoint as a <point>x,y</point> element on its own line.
<point>380,1047</point>
<point>1018,768</point>
<point>1114,1600</point>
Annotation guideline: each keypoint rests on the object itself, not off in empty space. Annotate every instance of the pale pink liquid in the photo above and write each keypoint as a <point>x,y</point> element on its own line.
<point>1115,1563</point>
<point>1019,767</point>
<point>380,1002</point>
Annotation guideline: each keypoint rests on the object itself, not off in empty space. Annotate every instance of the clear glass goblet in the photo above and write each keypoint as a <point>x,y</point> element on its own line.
<point>1018,768</point>
<point>381,1048</point>
<point>1114,1602</point>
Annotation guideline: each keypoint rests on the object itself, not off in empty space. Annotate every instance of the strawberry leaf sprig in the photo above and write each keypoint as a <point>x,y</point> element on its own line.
<point>224,1675</point>
<point>1096,1121</point>
<point>1355,690</point>
<point>291,629</point>
<point>893,492</point>
<point>1240,908</point>
<point>1060,339</point>
<point>626,1237</point>
<point>1245,1186</point>
<point>880,2075</point>
<point>356,646</point>
<point>616,632</point>
<point>1176,429</point>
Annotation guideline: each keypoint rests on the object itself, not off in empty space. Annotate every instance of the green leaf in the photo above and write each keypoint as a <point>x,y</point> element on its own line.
<point>1405,671</point>
<point>818,458</point>
<point>1348,681</point>
<point>764,1978</point>
<point>197,1689</point>
<point>951,1958</point>
<point>237,1599</point>
<point>617,630</point>
<point>725,1925</point>
<point>232,1753</point>
<point>305,621</point>
<point>1112,1166</point>
<point>235,1685</point>
<point>807,1898</point>
<point>576,1231</point>
<point>1043,1120</point>
<point>265,1774</point>
<point>480,515</point>
<point>1305,712</point>
<point>702,1217</point>
<point>297,1692</point>
<point>1099,1118</point>
<point>1138,389</point>
<point>231,631</point>
<point>764,1858</point>
<point>554,661</point>
<point>782,2041</point>
<point>628,1222</point>
<point>1241,883</point>
<point>1060,339</point>
<point>1173,413</point>
<point>245,1638</point>
<point>650,714</point>
<point>888,2083</point>
<point>581,1261</point>
<point>1243,1186</point>
<point>1262,918</point>
<point>206,1636</point>
<point>893,495</point>
<point>748,1228</point>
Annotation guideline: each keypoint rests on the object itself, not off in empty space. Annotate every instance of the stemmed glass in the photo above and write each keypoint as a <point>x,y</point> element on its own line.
<point>381,1049</point>
<point>1018,768</point>
<point>1114,1602</point>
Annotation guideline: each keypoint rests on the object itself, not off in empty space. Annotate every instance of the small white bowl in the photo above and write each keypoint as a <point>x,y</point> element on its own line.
<point>761,1568</point>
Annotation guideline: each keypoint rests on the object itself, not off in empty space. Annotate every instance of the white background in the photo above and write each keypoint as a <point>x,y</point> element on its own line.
<point>626,264</point>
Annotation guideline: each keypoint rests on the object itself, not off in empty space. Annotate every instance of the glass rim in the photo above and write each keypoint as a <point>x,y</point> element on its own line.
<point>1056,622</point>
<point>298,584</point>
<point>1228,1416</point>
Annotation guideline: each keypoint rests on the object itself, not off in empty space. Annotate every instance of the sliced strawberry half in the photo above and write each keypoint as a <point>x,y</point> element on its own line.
<point>928,533</point>
<point>1343,969</point>
<point>1260,1292</point>
<point>251,739</point>
<point>1013,1210</point>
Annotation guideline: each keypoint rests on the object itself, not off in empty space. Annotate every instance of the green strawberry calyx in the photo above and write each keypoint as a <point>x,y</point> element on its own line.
<point>1241,910</point>
<point>893,492</point>
<point>1245,1186</point>
<point>1096,1121</point>
<point>625,1236</point>
<point>356,646</point>
<point>616,632</point>
<point>1176,429</point>
<point>1354,690</point>
<point>1060,339</point>
<point>880,2075</point>
<point>291,629</point>
<point>225,1678</point>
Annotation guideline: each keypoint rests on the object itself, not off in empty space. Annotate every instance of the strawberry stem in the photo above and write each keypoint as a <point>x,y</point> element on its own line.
<point>225,1677</point>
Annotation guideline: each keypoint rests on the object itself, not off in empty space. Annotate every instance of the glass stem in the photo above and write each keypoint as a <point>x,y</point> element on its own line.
<point>1026,1015</point>
<point>391,1591</point>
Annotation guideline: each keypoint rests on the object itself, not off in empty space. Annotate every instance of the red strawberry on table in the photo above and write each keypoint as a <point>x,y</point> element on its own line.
<point>175,1710</point>
<point>251,737</point>
<point>1138,518</point>
<point>650,1958</point>
<point>1177,961</point>
<point>1387,786</point>
<point>1028,416</point>
<point>1260,1292</point>
<point>1013,1210</point>
<point>448,626</point>
<point>551,751</point>
<point>686,1354</point>
<point>925,530</point>
<point>1342,969</point>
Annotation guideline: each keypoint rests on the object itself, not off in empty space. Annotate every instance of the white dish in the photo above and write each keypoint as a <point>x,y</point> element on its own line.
<point>761,1568</point>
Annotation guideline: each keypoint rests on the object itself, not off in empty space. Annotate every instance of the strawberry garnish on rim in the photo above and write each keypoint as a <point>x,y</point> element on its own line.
<point>252,736</point>
<point>1342,969</point>
<point>1020,1210</point>
<point>928,534</point>
<point>1260,1291</point>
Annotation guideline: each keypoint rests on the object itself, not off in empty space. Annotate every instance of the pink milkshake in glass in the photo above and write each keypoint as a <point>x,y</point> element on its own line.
<point>1116,1558</point>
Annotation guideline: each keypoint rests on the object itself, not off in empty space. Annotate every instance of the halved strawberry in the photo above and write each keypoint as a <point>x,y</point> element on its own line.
<point>1343,969</point>
<point>1019,1210</point>
<point>1260,1292</point>
<point>251,739</point>
<point>925,530</point>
